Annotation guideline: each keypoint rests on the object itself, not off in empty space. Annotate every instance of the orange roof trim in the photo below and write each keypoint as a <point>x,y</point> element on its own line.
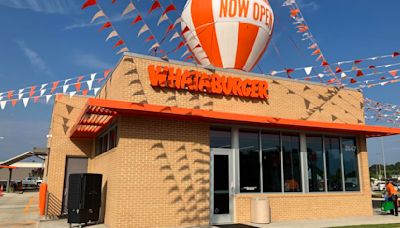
<point>99,113</point>
<point>7,167</point>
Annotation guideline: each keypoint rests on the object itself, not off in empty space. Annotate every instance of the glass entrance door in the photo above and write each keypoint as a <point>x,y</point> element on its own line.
<point>222,186</point>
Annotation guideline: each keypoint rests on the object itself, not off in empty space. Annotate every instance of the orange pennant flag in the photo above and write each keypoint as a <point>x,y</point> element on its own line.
<point>85,92</point>
<point>32,92</point>
<point>294,12</point>
<point>10,94</point>
<point>106,72</point>
<point>316,52</point>
<point>393,73</point>
<point>14,102</point>
<point>78,87</point>
<point>55,84</point>
<point>36,99</point>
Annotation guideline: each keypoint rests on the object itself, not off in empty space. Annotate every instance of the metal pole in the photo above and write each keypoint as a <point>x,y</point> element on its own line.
<point>383,158</point>
<point>9,180</point>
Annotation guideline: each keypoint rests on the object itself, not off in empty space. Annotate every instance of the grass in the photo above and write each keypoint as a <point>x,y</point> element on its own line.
<point>373,226</point>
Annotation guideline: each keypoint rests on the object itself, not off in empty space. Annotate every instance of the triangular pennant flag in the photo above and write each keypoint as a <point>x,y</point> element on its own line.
<point>20,95</point>
<point>48,98</point>
<point>359,73</point>
<point>89,84</point>
<point>43,85</point>
<point>156,5</point>
<point>186,52</point>
<point>125,49</point>
<point>119,43</point>
<point>36,99</point>
<point>316,52</point>
<point>395,54</point>
<point>66,81</point>
<point>21,91</point>
<point>352,81</point>
<point>106,73</point>
<point>357,61</point>
<point>179,20</point>
<point>72,93</point>
<point>343,75</point>
<point>313,46</point>
<point>308,70</point>
<point>143,29</point>
<point>88,3</point>
<point>169,8</point>
<point>149,38</point>
<point>65,88</point>
<point>188,57</point>
<point>3,104</point>
<point>14,102</point>
<point>294,12</point>
<point>99,14</point>
<point>128,9</point>
<point>163,17</point>
<point>105,25</point>
<point>32,91</point>
<point>137,19</point>
<point>10,94</point>
<point>42,91</point>
<point>93,76</point>
<point>95,91</point>
<point>1,98</point>
<point>112,34</point>
<point>78,87</point>
<point>338,70</point>
<point>25,101</point>
<point>54,87</point>
<point>176,35</point>
<point>169,29</point>
<point>393,73</point>
<point>85,92</point>
<point>155,46</point>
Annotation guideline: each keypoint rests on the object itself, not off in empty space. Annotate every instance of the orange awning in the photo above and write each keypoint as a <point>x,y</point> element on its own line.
<point>7,167</point>
<point>99,113</point>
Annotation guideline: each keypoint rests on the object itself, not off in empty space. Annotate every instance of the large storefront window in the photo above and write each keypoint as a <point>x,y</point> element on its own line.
<point>291,163</point>
<point>220,138</point>
<point>249,157</point>
<point>315,159</point>
<point>271,162</point>
<point>333,164</point>
<point>350,164</point>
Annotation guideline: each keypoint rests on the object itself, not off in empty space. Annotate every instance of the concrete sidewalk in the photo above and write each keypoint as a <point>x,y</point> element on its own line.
<point>19,210</point>
<point>61,223</point>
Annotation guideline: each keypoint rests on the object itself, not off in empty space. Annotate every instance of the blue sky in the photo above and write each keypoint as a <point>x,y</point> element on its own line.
<point>47,40</point>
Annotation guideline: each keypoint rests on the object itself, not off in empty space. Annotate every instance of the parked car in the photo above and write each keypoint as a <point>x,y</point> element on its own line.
<point>31,182</point>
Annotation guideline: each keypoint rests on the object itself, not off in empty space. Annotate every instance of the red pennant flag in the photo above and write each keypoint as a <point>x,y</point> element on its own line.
<point>170,27</point>
<point>10,94</point>
<point>36,99</point>
<point>155,6</point>
<point>100,79</point>
<point>371,67</point>
<point>324,63</point>
<point>79,78</point>
<point>359,73</point>
<point>338,70</point>
<point>113,1</point>
<point>106,72</point>
<point>357,61</point>
<point>150,38</point>
<point>85,92</point>
<point>393,73</point>
<point>14,102</point>
<point>78,87</point>
<point>54,87</point>
<point>352,81</point>
<point>302,28</point>
<point>307,78</point>
<point>32,92</point>
<point>316,52</point>
<point>180,45</point>
<point>331,80</point>
<point>294,12</point>
<point>382,78</point>
<point>105,25</point>
<point>89,3</point>
<point>395,54</point>
<point>137,19</point>
<point>188,57</point>
<point>169,9</point>
<point>185,30</point>
<point>119,43</point>
<point>313,46</point>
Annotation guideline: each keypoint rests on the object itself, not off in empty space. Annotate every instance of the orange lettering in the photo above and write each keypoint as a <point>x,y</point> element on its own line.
<point>256,11</point>
<point>237,84</point>
<point>227,85</point>
<point>254,87</point>
<point>263,89</point>
<point>262,12</point>
<point>157,78</point>
<point>216,84</point>
<point>243,8</point>
<point>224,8</point>
<point>245,89</point>
<point>204,82</point>
<point>232,8</point>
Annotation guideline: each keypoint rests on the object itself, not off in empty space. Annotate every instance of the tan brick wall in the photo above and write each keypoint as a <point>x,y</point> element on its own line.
<point>158,176</point>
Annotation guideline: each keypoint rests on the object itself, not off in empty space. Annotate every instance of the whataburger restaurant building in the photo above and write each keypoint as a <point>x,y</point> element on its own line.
<point>181,145</point>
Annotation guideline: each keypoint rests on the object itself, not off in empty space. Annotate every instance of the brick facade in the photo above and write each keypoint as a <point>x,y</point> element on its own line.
<point>158,175</point>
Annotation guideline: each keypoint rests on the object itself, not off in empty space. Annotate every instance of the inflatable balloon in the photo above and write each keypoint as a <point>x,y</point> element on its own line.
<point>227,33</point>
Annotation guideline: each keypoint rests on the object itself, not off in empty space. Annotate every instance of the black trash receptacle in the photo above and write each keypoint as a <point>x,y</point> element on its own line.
<point>84,197</point>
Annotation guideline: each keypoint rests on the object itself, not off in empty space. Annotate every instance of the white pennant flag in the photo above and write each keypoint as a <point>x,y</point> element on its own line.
<point>321,75</point>
<point>143,29</point>
<point>3,104</point>
<point>72,93</point>
<point>48,98</point>
<point>1,98</point>
<point>95,91</point>
<point>128,9</point>
<point>156,45</point>
<point>343,75</point>
<point>289,2</point>
<point>42,86</point>
<point>111,35</point>
<point>20,95</point>
<point>164,17</point>
<point>42,91</point>
<point>125,49</point>
<point>186,52</point>
<point>93,76</point>
<point>89,84</point>
<point>308,70</point>
<point>65,88</point>
<point>97,15</point>
<point>25,101</point>
<point>179,20</point>
<point>21,91</point>
<point>176,35</point>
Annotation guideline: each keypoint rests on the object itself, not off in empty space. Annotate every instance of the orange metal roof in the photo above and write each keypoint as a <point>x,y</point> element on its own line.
<point>99,113</point>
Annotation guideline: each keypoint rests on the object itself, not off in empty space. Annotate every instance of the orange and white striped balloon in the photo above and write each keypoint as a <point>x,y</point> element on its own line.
<point>228,33</point>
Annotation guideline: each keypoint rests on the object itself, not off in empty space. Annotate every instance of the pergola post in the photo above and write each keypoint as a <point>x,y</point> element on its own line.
<point>9,179</point>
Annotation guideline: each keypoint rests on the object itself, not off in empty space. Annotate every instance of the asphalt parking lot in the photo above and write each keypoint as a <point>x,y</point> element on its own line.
<point>19,210</point>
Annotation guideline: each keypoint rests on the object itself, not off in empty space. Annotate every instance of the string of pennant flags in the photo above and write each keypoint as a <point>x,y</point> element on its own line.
<point>379,111</point>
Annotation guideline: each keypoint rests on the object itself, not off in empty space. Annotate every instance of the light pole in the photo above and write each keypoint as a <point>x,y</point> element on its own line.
<point>383,158</point>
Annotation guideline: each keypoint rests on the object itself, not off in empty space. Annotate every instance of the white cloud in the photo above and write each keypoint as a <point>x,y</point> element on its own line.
<point>99,21</point>
<point>44,6</point>
<point>36,61</point>
<point>91,61</point>
<point>308,5</point>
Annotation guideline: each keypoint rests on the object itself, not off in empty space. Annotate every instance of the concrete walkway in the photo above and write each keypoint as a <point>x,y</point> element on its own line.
<point>19,210</point>
<point>61,223</point>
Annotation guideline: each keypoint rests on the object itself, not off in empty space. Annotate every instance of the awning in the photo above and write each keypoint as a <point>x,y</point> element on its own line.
<point>98,113</point>
<point>7,167</point>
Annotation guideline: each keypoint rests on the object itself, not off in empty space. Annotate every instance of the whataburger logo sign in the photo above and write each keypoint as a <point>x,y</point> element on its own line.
<point>196,81</point>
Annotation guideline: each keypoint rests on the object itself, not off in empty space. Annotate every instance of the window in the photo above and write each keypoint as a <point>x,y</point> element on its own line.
<point>107,140</point>
<point>333,164</point>
<point>291,162</point>
<point>315,160</point>
<point>220,138</point>
<point>271,162</point>
<point>249,159</point>
<point>350,164</point>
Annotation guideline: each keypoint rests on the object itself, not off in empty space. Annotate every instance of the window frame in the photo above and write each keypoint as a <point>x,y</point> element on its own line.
<point>106,133</point>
